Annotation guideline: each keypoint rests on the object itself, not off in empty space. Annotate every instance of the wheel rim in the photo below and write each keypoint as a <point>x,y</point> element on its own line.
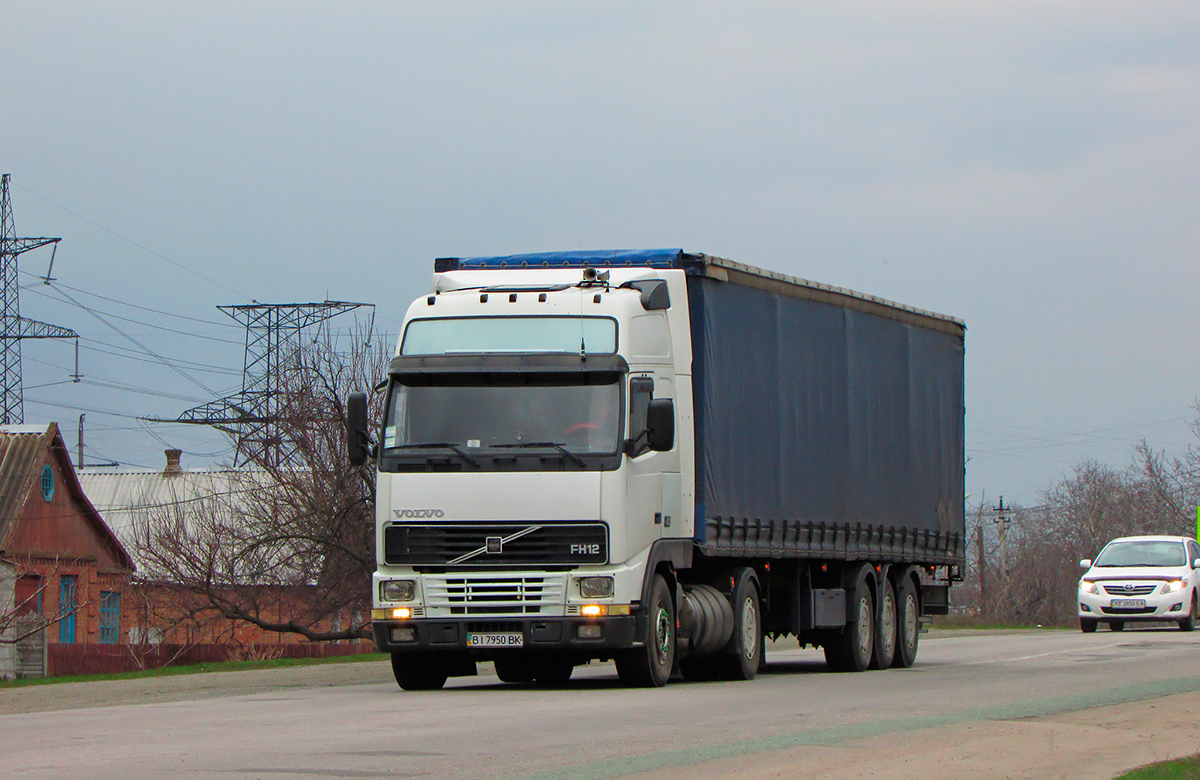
<point>887,624</point>
<point>662,634</point>
<point>749,628</point>
<point>864,626</point>
<point>910,621</point>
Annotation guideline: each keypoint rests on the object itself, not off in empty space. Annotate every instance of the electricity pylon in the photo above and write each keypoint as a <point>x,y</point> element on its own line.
<point>15,327</point>
<point>272,344</point>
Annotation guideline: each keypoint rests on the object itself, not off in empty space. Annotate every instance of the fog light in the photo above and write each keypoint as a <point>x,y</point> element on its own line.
<point>592,610</point>
<point>596,587</point>
<point>1084,607</point>
<point>1176,607</point>
<point>397,590</point>
<point>406,634</point>
<point>589,631</point>
<point>401,613</point>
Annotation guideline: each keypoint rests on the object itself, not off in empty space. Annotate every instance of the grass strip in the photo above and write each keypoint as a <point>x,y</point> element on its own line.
<point>223,666</point>
<point>1179,769</point>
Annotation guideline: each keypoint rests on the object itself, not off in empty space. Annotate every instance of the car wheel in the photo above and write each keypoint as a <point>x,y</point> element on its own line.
<point>1189,622</point>
<point>1088,625</point>
<point>1116,625</point>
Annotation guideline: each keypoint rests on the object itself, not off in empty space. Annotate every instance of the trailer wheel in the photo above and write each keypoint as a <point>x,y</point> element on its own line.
<point>852,650</point>
<point>885,628</point>
<point>746,643</point>
<point>650,666</point>
<point>419,671</point>
<point>908,624</point>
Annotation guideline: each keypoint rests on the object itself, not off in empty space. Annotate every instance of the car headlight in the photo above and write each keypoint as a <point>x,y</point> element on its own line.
<point>397,590</point>
<point>1173,586</point>
<point>596,587</point>
<point>1088,587</point>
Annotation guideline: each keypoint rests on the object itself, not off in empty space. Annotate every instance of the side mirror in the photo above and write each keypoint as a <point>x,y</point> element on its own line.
<point>1086,563</point>
<point>1196,564</point>
<point>660,424</point>
<point>357,442</point>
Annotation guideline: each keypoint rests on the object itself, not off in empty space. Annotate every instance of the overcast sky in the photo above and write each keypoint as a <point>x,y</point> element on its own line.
<point>1029,167</point>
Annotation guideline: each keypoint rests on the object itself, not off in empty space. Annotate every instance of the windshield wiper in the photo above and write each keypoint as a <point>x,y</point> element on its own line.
<point>439,444</point>
<point>565,452</point>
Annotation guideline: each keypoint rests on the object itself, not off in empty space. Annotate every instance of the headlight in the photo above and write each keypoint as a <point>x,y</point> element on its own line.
<point>1173,586</point>
<point>1088,587</point>
<point>397,590</point>
<point>596,587</point>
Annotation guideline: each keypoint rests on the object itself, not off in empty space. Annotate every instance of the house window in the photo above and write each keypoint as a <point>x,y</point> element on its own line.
<point>47,482</point>
<point>66,607</point>
<point>110,616</point>
<point>29,595</point>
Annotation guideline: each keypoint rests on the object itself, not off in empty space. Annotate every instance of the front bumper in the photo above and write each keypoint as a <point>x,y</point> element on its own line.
<point>1165,606</point>
<point>616,633</point>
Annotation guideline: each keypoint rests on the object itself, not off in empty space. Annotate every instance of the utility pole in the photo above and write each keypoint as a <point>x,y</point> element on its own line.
<point>983,610</point>
<point>79,465</point>
<point>251,417</point>
<point>1002,522</point>
<point>15,327</point>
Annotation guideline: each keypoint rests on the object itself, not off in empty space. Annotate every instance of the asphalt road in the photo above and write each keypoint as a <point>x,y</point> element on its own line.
<point>965,692</point>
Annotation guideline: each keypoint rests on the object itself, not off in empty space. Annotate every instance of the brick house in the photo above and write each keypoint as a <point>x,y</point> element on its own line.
<point>69,567</point>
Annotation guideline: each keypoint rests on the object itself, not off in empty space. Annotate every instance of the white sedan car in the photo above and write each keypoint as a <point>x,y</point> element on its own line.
<point>1148,578</point>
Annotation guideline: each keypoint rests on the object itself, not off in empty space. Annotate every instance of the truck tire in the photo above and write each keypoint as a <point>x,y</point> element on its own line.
<point>908,624</point>
<point>650,666</point>
<point>419,671</point>
<point>515,669</point>
<point>851,651</point>
<point>552,673</point>
<point>744,654</point>
<point>885,628</point>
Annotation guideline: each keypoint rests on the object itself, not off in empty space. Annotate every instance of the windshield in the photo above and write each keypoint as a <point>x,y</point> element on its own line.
<point>491,414</point>
<point>1142,554</point>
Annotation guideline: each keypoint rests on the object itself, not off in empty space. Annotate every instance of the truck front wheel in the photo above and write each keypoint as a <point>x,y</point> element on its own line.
<point>419,671</point>
<point>649,666</point>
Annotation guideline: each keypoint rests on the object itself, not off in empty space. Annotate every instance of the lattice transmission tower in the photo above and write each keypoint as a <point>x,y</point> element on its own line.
<point>273,345</point>
<point>15,327</point>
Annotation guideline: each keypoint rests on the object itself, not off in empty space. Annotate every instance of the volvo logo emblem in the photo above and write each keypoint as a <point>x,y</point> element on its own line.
<point>418,513</point>
<point>495,544</point>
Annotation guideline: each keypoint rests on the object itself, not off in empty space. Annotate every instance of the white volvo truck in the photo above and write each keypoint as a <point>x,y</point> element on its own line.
<point>659,458</point>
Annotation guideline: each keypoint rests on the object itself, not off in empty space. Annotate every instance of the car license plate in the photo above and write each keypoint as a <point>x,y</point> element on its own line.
<point>1129,603</point>
<point>496,640</point>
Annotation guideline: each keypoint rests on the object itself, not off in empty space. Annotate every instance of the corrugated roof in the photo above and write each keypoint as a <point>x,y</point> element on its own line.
<point>23,450</point>
<point>124,495</point>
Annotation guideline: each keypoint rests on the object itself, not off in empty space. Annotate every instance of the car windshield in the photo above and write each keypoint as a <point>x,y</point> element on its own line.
<point>485,414</point>
<point>1160,553</point>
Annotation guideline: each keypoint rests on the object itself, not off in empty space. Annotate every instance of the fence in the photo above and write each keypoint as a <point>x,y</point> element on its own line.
<point>86,659</point>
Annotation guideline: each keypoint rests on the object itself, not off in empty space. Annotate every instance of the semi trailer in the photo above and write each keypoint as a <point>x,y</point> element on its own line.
<point>660,458</point>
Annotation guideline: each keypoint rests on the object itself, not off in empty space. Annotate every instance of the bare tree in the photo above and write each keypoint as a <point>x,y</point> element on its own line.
<point>288,547</point>
<point>1175,481</point>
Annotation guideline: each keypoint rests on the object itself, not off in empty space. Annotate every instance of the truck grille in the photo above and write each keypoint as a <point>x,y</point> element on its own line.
<point>494,594</point>
<point>495,544</point>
